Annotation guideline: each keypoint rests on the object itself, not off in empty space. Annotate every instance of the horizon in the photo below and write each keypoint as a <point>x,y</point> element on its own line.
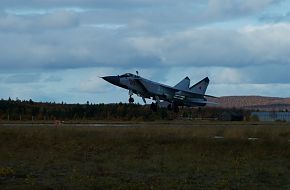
<point>137,103</point>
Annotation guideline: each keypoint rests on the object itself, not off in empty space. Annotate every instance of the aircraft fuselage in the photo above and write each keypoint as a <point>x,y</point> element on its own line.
<point>149,89</point>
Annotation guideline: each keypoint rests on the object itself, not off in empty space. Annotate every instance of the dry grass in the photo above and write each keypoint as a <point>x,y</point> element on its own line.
<point>148,156</point>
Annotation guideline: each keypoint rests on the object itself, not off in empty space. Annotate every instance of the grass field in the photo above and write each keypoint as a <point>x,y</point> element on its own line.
<point>179,155</point>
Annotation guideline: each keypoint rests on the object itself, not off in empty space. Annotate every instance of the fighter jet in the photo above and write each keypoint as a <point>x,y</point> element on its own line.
<point>179,95</point>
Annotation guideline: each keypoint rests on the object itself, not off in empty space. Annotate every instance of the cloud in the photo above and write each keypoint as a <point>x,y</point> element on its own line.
<point>157,15</point>
<point>267,74</point>
<point>228,76</point>
<point>94,85</point>
<point>79,48</point>
<point>57,20</point>
<point>150,36</point>
<point>89,3</point>
<point>89,47</point>
<point>251,45</point>
<point>222,10</point>
<point>22,78</point>
<point>275,17</point>
<point>276,90</point>
<point>52,78</point>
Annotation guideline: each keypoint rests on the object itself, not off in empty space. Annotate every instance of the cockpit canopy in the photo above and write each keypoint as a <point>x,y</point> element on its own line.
<point>128,75</point>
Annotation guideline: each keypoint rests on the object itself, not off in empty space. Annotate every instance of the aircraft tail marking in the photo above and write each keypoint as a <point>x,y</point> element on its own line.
<point>200,87</point>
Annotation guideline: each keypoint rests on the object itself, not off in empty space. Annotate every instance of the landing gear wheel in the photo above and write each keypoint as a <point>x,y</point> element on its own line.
<point>169,107</point>
<point>153,107</point>
<point>131,100</point>
<point>175,108</point>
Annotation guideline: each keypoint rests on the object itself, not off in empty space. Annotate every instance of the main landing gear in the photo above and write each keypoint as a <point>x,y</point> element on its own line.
<point>154,106</point>
<point>131,100</point>
<point>173,107</point>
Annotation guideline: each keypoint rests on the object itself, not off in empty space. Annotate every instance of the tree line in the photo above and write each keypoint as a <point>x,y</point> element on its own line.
<point>25,110</point>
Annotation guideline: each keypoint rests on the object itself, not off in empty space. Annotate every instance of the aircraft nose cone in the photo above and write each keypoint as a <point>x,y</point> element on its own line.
<point>112,79</point>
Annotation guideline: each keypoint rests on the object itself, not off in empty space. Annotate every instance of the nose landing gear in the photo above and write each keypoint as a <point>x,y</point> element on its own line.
<point>131,100</point>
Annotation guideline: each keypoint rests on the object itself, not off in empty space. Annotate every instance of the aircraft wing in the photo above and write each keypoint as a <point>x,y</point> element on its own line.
<point>142,85</point>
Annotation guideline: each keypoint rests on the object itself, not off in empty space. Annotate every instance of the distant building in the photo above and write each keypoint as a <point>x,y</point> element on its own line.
<point>272,116</point>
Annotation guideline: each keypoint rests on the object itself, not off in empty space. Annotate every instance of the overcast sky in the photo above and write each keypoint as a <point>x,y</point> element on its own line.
<point>55,50</point>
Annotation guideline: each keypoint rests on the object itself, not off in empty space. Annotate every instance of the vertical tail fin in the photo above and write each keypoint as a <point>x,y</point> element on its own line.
<point>184,84</point>
<point>200,87</point>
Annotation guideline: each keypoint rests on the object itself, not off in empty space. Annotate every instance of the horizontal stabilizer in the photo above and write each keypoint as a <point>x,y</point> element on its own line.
<point>205,95</point>
<point>184,84</point>
<point>206,102</point>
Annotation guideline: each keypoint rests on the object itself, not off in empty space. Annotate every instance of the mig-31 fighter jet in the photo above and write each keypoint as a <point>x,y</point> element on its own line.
<point>179,95</point>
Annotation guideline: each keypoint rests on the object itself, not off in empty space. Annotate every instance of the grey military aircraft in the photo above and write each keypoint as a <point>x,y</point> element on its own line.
<point>179,95</point>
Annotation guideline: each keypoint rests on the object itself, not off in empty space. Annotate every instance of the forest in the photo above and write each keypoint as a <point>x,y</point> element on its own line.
<point>25,110</point>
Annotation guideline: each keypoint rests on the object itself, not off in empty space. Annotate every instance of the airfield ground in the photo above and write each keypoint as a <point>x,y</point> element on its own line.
<point>168,155</point>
